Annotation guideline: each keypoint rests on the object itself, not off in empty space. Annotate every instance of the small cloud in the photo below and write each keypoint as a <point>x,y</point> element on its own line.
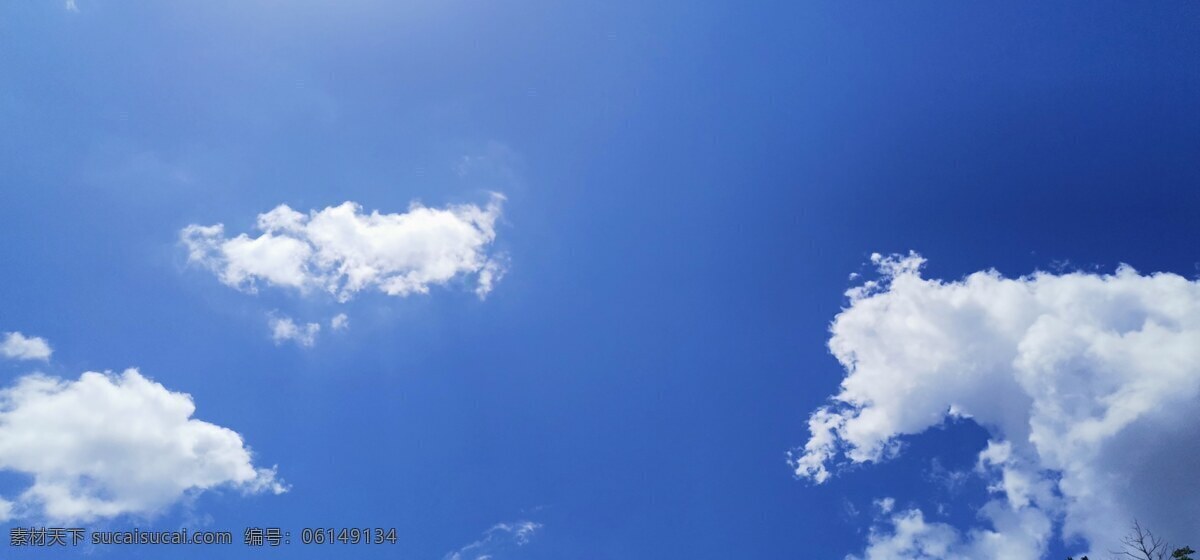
<point>951,480</point>
<point>284,329</point>
<point>849,511</point>
<point>339,322</point>
<point>501,537</point>
<point>491,273</point>
<point>20,347</point>
<point>342,250</point>
<point>497,164</point>
<point>885,505</point>
<point>72,7</point>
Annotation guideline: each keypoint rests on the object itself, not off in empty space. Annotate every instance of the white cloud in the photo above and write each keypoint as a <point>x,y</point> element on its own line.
<point>1086,383</point>
<point>502,536</point>
<point>107,445</point>
<point>71,6</point>
<point>1017,535</point>
<point>886,505</point>
<point>341,250</point>
<point>339,322</point>
<point>911,537</point>
<point>21,347</point>
<point>284,329</point>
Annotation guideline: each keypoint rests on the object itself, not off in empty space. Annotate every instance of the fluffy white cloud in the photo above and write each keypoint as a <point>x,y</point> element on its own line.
<point>342,250</point>
<point>21,347</point>
<point>107,445</point>
<point>284,329</point>
<point>339,322</point>
<point>1087,384</point>
<point>502,536</point>
<point>1017,535</point>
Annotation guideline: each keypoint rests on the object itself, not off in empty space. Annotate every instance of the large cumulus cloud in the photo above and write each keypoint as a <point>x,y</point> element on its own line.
<point>107,445</point>
<point>1088,385</point>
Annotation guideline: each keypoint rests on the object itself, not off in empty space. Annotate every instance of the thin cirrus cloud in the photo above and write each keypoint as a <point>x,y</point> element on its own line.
<point>107,445</point>
<point>1086,384</point>
<point>499,538</point>
<point>20,347</point>
<point>342,250</point>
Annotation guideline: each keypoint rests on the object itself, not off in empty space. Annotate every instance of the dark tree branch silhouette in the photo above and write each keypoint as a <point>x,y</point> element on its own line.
<point>1142,544</point>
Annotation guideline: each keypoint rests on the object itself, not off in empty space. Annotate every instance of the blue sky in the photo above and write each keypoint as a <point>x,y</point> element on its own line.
<point>687,190</point>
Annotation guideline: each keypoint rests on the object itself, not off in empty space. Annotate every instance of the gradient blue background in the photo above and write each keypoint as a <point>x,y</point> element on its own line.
<point>689,186</point>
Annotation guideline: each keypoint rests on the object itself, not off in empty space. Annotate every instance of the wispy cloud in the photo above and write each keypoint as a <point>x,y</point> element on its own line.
<point>500,538</point>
